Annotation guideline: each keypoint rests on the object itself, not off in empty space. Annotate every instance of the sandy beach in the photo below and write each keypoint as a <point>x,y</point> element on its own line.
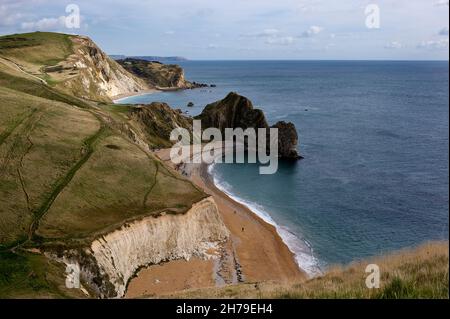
<point>119,97</point>
<point>255,247</point>
<point>172,276</point>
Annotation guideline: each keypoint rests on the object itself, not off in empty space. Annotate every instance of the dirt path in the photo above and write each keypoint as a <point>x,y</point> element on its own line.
<point>87,152</point>
<point>38,213</point>
<point>20,69</point>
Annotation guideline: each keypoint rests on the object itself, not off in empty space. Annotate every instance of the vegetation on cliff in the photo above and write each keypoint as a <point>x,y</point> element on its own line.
<point>71,169</point>
<point>158,75</point>
<point>420,272</point>
<point>74,167</point>
<point>68,63</point>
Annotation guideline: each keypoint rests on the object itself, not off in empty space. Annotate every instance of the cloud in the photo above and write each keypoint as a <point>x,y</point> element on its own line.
<point>288,40</point>
<point>8,18</point>
<point>45,24</point>
<point>269,33</point>
<point>443,31</point>
<point>305,6</point>
<point>169,32</point>
<point>440,44</point>
<point>272,37</point>
<point>393,45</point>
<point>263,34</point>
<point>311,32</point>
<point>441,3</point>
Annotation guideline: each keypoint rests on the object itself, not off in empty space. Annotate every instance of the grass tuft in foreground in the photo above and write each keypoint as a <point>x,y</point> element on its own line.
<point>408,274</point>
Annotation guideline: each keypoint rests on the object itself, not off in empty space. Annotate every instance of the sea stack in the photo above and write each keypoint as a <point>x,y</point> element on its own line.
<point>237,111</point>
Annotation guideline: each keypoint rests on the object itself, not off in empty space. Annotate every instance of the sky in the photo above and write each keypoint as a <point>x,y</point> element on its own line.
<point>246,29</point>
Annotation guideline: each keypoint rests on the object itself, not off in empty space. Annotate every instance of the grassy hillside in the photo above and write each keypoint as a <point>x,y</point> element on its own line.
<point>421,272</point>
<point>70,170</point>
<point>30,275</point>
<point>72,64</point>
<point>73,169</point>
<point>37,48</point>
<point>74,173</point>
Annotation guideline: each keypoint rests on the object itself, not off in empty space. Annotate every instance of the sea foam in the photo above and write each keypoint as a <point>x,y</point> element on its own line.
<point>302,250</point>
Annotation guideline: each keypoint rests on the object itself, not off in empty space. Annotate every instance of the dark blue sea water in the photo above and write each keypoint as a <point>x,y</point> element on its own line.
<point>375,140</point>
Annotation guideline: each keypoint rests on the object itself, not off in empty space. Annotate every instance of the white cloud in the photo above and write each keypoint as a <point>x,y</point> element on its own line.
<point>169,32</point>
<point>441,3</point>
<point>45,24</point>
<point>443,31</point>
<point>311,32</point>
<point>263,34</point>
<point>305,6</point>
<point>8,18</point>
<point>288,40</point>
<point>393,45</point>
<point>441,44</point>
<point>270,32</point>
<point>272,36</point>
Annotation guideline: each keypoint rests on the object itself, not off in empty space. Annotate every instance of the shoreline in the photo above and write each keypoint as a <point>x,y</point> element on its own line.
<point>255,245</point>
<point>279,263</point>
<point>119,97</point>
<point>300,248</point>
<point>281,256</point>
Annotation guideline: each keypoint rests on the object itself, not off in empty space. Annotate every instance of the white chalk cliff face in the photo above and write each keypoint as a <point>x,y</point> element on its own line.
<point>89,73</point>
<point>118,255</point>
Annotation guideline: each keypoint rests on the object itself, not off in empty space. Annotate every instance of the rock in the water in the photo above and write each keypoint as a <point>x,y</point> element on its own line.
<point>237,111</point>
<point>287,140</point>
<point>190,104</point>
<point>232,112</point>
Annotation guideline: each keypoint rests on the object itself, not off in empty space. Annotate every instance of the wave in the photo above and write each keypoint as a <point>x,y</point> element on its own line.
<point>302,249</point>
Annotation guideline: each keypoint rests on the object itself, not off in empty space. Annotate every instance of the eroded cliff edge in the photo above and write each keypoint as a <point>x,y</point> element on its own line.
<point>158,75</point>
<point>113,259</point>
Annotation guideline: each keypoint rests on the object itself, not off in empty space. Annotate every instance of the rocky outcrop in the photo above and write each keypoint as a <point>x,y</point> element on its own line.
<point>89,73</point>
<point>158,75</point>
<point>232,112</point>
<point>287,140</point>
<point>236,111</point>
<point>158,120</point>
<point>111,260</point>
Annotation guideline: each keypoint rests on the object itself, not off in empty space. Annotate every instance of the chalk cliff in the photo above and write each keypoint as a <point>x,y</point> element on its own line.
<point>114,258</point>
<point>91,74</point>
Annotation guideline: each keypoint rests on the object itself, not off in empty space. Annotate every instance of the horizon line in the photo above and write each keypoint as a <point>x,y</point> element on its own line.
<point>281,59</point>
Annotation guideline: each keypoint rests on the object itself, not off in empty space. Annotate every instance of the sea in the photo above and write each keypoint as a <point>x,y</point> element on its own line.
<point>374,137</point>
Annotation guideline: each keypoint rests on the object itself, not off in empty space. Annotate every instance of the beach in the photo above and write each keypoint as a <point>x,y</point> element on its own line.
<point>255,250</point>
<point>119,97</point>
<point>262,253</point>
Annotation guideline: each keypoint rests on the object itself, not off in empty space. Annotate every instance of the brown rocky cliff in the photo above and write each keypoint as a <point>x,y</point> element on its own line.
<point>158,75</point>
<point>236,111</point>
<point>158,120</point>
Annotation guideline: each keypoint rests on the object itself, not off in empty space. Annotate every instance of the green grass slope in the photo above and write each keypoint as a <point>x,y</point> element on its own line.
<point>36,48</point>
<point>69,171</point>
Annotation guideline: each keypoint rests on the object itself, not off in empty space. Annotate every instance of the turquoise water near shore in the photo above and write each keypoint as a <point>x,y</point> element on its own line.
<point>375,140</point>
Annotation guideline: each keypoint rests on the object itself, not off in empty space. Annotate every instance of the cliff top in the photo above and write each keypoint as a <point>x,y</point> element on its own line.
<point>71,168</point>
